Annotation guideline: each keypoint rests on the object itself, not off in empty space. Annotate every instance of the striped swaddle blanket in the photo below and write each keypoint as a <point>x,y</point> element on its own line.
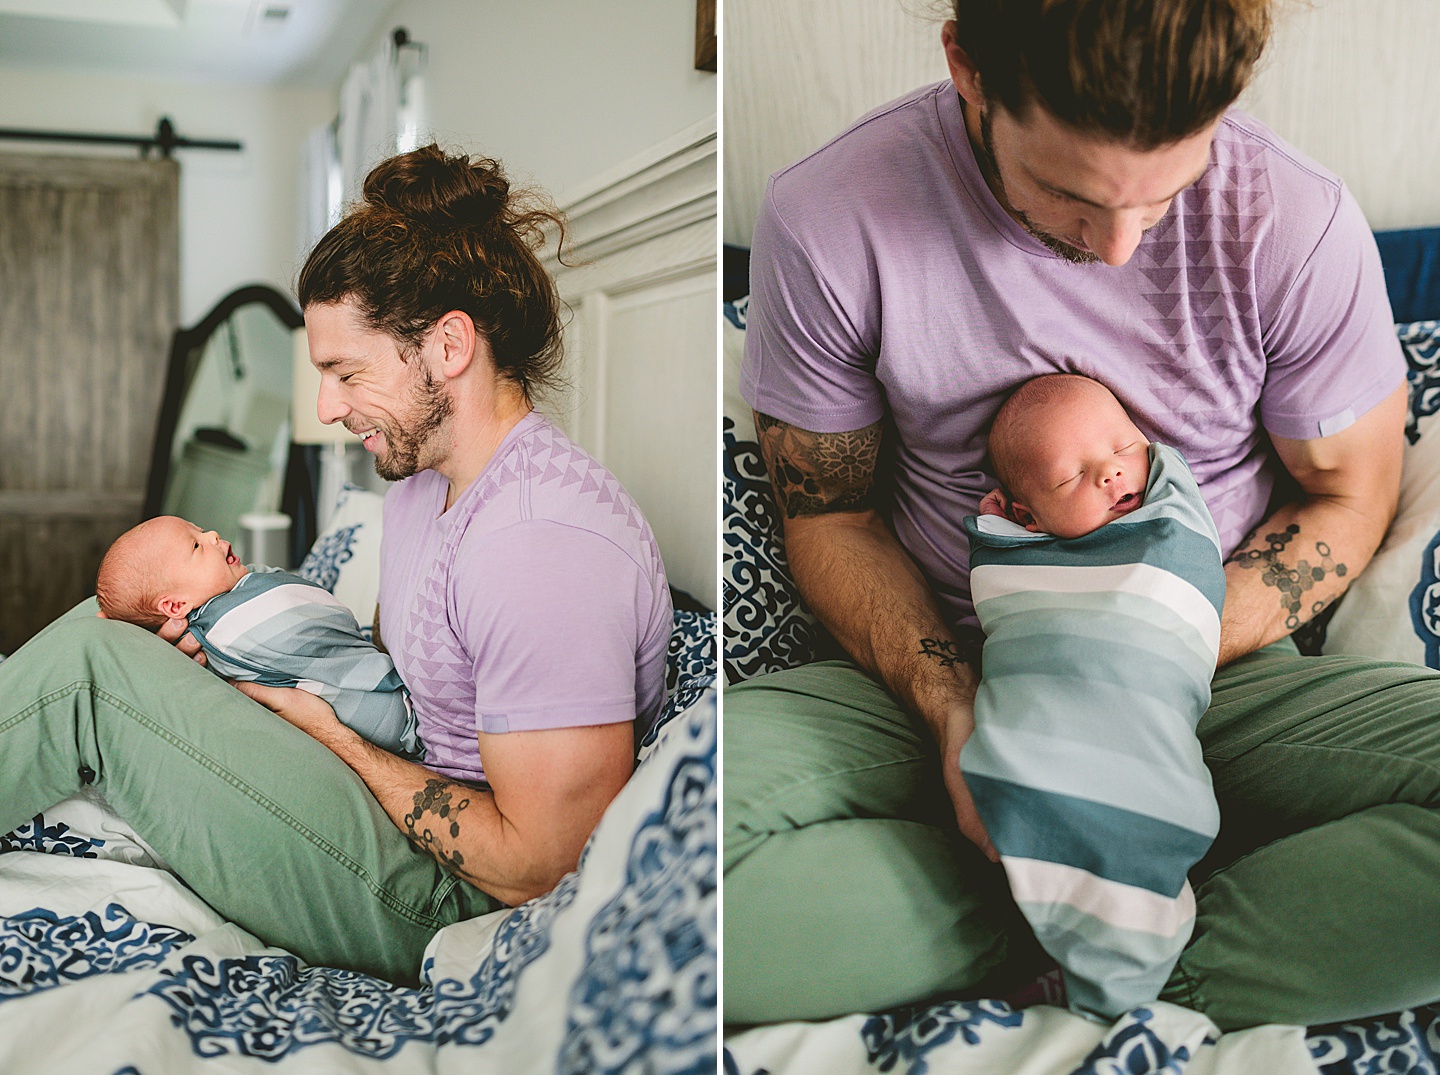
<point>1084,765</point>
<point>284,631</point>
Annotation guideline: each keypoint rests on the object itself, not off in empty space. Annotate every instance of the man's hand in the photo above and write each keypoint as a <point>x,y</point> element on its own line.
<point>958,728</point>
<point>177,632</point>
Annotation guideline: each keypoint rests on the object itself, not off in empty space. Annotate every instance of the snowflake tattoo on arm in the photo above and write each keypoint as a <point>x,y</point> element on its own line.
<point>437,809</point>
<point>1292,582</point>
<point>816,473</point>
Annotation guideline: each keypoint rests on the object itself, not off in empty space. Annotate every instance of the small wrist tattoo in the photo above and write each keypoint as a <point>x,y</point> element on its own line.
<point>943,650</point>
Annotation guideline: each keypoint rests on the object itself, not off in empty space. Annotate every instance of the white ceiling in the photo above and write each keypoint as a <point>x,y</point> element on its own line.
<point>298,42</point>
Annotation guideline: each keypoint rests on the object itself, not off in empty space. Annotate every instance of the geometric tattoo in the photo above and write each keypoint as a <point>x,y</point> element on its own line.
<point>435,806</point>
<point>942,649</point>
<point>1292,582</point>
<point>817,473</point>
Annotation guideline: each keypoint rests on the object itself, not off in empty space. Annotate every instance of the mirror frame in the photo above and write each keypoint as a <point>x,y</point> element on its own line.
<point>186,342</point>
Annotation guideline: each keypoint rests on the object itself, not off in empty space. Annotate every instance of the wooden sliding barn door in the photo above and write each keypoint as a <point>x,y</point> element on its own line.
<point>89,282</point>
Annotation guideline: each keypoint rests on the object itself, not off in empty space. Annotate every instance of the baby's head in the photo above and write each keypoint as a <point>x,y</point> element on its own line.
<point>1068,455</point>
<point>164,568</point>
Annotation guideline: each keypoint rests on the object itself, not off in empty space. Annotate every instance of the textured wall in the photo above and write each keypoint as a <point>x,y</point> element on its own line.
<point>1353,83</point>
<point>1356,84</point>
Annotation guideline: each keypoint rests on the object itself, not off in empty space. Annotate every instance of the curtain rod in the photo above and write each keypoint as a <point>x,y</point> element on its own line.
<point>164,139</point>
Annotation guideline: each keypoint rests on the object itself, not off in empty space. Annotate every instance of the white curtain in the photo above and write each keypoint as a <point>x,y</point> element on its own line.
<point>369,121</point>
<point>382,112</point>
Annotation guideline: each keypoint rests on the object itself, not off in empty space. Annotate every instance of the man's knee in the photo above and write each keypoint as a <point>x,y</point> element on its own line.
<point>818,744</point>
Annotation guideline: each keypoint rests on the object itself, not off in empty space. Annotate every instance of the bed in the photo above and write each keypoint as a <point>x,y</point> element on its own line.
<point>108,963</point>
<point>1391,611</point>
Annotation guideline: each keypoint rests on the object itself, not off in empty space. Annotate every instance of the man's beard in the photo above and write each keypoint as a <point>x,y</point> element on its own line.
<point>1070,253</point>
<point>430,407</point>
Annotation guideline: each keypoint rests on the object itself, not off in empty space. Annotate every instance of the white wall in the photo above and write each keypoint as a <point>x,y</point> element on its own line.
<point>559,90</point>
<point>238,211</point>
<point>1350,82</point>
<point>1354,84</point>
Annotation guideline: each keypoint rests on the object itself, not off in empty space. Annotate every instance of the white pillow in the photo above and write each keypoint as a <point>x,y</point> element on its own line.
<point>1392,611</point>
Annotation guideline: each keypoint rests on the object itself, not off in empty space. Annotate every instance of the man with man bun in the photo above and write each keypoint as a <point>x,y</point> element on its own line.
<point>1078,197</point>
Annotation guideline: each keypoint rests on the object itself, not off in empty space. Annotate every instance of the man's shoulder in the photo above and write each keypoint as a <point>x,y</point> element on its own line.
<point>879,149</point>
<point>1267,189</point>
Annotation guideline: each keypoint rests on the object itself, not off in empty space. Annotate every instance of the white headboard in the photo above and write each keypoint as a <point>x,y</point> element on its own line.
<point>642,342</point>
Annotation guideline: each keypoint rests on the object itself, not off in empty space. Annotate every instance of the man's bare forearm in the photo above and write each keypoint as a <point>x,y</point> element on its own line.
<point>867,590</point>
<point>852,572</point>
<point>456,824</point>
<point>1294,565</point>
<point>1304,556</point>
<point>869,594</point>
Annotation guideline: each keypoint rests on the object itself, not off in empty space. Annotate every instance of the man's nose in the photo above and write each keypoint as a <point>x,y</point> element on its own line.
<point>329,407</point>
<point>1113,236</point>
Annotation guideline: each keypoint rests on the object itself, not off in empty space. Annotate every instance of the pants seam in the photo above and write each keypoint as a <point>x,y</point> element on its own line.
<point>1364,752</point>
<point>799,785</point>
<point>195,755</point>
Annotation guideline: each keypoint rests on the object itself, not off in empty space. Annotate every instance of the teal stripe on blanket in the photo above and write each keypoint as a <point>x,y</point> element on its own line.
<point>1144,667</point>
<point>1118,845</point>
<point>1163,542</point>
<point>1164,628</point>
<point>1068,762</point>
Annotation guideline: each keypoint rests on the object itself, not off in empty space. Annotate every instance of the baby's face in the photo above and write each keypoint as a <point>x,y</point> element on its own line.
<point>196,564</point>
<point>1088,468</point>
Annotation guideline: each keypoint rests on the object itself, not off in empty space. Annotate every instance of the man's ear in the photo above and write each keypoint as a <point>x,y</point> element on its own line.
<point>963,72</point>
<point>455,341</point>
<point>173,608</point>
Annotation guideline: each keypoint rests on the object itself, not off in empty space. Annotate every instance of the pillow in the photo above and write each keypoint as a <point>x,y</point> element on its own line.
<point>689,671</point>
<point>345,558</point>
<point>1392,611</point>
<point>767,626</point>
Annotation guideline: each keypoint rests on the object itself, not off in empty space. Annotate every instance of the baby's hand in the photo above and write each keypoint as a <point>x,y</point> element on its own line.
<point>995,503</point>
<point>177,632</point>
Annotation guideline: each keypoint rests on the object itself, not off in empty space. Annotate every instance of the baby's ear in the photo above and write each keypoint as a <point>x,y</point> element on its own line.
<point>173,608</point>
<point>1024,516</point>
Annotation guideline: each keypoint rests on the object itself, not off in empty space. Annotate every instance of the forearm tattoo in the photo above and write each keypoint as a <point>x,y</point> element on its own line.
<point>1294,583</point>
<point>435,822</point>
<point>943,650</point>
<point>816,473</point>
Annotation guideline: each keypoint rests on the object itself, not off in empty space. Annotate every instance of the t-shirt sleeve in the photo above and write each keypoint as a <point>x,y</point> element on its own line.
<point>1332,350</point>
<point>551,617</point>
<point>809,359</point>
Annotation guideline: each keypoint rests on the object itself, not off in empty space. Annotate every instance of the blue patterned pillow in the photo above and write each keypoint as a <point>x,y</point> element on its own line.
<point>345,559</point>
<point>767,626</point>
<point>689,670</point>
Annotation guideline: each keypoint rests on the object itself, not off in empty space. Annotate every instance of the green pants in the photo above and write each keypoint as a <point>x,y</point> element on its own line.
<point>265,824</point>
<point>848,887</point>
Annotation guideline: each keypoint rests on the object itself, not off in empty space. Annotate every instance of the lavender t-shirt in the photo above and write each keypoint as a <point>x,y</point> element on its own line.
<point>886,279</point>
<point>537,601</point>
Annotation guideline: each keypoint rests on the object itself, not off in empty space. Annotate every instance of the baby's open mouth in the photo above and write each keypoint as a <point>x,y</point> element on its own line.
<point>1126,502</point>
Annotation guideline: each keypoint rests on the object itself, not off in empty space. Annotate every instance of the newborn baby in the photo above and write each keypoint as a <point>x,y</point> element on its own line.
<point>1097,577</point>
<point>257,624</point>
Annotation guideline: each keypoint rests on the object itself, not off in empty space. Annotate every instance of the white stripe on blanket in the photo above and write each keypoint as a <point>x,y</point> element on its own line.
<point>989,581</point>
<point>1122,906</point>
<point>263,606</point>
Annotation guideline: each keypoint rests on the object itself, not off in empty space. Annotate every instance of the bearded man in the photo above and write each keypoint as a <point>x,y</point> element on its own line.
<point>1078,197</point>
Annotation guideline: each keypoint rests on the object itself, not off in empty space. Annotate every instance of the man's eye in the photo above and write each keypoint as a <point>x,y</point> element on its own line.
<point>345,378</point>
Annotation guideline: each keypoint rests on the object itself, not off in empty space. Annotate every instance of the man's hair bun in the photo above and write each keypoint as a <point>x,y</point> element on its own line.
<point>431,186</point>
